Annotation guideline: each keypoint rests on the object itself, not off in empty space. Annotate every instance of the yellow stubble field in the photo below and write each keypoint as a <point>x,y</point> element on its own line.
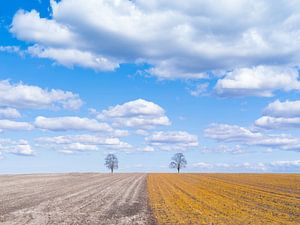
<point>225,198</point>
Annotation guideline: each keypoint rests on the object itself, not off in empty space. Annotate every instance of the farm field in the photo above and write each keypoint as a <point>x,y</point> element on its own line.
<point>93,198</point>
<point>225,198</point>
<point>74,199</point>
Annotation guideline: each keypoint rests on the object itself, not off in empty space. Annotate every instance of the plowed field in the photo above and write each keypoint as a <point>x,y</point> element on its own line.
<point>129,199</point>
<point>225,198</point>
<point>74,199</point>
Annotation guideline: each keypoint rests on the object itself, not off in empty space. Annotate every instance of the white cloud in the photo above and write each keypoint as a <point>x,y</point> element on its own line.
<point>138,113</point>
<point>120,133</point>
<point>280,115</point>
<point>134,108</point>
<point>148,149</point>
<point>71,123</point>
<point>9,113</point>
<point>80,147</point>
<point>28,96</point>
<point>231,133</point>
<point>283,109</point>
<point>141,132</point>
<point>22,149</point>
<point>200,89</point>
<point>236,149</point>
<point>245,136</point>
<point>258,81</point>
<point>67,152</point>
<point>12,49</point>
<point>164,70</point>
<point>268,122</point>
<point>180,39</point>
<point>286,164</point>
<point>10,125</point>
<point>233,167</point>
<point>19,147</point>
<point>213,165</point>
<point>172,140</point>
<point>84,138</point>
<point>86,142</point>
<point>62,43</point>
<point>73,57</point>
<point>29,26</point>
<point>274,166</point>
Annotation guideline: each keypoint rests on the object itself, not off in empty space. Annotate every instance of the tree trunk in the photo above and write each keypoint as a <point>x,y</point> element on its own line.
<point>112,170</point>
<point>178,169</point>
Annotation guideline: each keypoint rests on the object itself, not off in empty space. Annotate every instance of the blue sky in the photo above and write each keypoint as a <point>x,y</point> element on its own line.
<point>146,79</point>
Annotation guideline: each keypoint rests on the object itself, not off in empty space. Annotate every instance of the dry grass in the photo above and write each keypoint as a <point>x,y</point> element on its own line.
<point>225,198</point>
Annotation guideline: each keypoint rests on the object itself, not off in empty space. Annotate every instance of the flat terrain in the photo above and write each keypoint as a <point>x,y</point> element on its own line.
<point>225,198</point>
<point>91,198</point>
<point>74,199</point>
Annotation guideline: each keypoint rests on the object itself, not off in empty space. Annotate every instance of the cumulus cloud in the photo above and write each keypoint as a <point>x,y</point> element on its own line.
<point>33,97</point>
<point>29,26</point>
<point>231,133</point>
<point>71,123</point>
<point>18,147</point>
<point>178,39</point>
<point>172,140</point>
<point>134,108</point>
<point>164,70</point>
<point>9,113</point>
<point>78,147</point>
<point>283,109</point>
<point>280,115</point>
<point>73,57</point>
<point>258,81</point>
<point>137,114</point>
<point>85,142</point>
<point>242,135</point>
<point>268,122</point>
<point>10,125</point>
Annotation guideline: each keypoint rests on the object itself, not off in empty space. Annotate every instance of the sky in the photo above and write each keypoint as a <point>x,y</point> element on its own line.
<point>145,79</point>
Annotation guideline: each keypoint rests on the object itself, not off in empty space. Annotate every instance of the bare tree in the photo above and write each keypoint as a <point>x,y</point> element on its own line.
<point>178,162</point>
<point>111,162</point>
